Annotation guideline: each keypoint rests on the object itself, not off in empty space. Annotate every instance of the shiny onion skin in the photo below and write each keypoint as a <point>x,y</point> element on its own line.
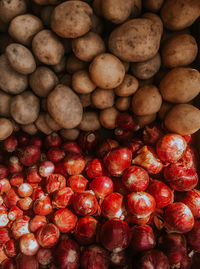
<point>154,259</point>
<point>193,237</point>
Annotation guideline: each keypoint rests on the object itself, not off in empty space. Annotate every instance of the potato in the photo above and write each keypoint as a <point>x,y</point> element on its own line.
<point>44,104</point>
<point>46,13</point>
<point>107,71</point>
<point>180,85</point>
<point>164,109</point>
<point>6,128</point>
<point>153,5</point>
<point>97,25</point>
<point>74,64</point>
<point>147,100</point>
<point>25,108</point>
<point>10,9</point>
<point>108,117</point>
<point>126,65</point>
<point>60,67</point>
<point>136,40</point>
<point>30,129</point>
<point>53,125</point>
<point>70,134</point>
<point>11,81</point>
<point>183,119</point>
<point>23,28</point>
<point>65,107</point>
<point>123,103</point>
<point>82,83</point>
<point>90,121</point>
<point>87,47</point>
<point>136,8</point>
<point>116,11</point>
<point>143,82</point>
<point>66,80</point>
<point>85,99</point>
<point>5,40</point>
<point>144,120</point>
<point>41,124</point>
<point>71,19</point>
<point>5,100</point>
<point>102,98</point>
<point>180,50</point>
<point>20,58</point>
<point>97,7</point>
<point>42,81</point>
<point>179,14</point>
<point>127,87</point>
<point>146,69</point>
<point>47,47</point>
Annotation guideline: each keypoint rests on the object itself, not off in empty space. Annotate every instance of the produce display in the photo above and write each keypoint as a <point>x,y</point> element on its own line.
<point>99,134</point>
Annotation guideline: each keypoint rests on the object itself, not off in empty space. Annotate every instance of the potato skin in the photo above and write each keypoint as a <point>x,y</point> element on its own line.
<point>82,83</point>
<point>70,134</point>
<point>11,81</point>
<point>183,119</point>
<point>20,58</point>
<point>179,50</point>
<point>108,117</point>
<point>123,103</point>
<point>65,107</point>
<point>41,124</point>
<point>180,85</point>
<point>47,47</point>
<point>165,108</point>
<point>116,11</point>
<point>5,100</point>
<point>42,81</point>
<point>102,98</point>
<point>128,86</point>
<point>179,14</point>
<point>6,128</point>
<point>107,71</point>
<point>22,28</point>
<point>25,108</point>
<point>146,69</point>
<point>153,5</point>
<point>74,64</point>
<point>71,19</point>
<point>90,121</point>
<point>136,40</point>
<point>147,100</point>
<point>88,46</point>
<point>53,125</point>
<point>85,99</point>
<point>30,129</point>
<point>10,9</point>
<point>144,120</point>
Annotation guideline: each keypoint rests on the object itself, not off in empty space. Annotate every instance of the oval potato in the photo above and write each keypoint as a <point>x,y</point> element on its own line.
<point>41,124</point>
<point>144,120</point>
<point>10,9</point>
<point>108,117</point>
<point>65,107</point>
<point>90,121</point>
<point>128,86</point>
<point>180,85</point>
<point>6,128</point>
<point>183,119</point>
<point>30,129</point>
<point>70,134</point>
<point>102,98</point>
<point>5,100</point>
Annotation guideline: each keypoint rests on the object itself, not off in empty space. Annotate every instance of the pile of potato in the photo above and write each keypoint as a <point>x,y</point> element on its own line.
<point>74,65</point>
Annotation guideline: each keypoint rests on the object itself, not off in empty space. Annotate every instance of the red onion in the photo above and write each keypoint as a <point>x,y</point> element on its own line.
<point>193,236</point>
<point>154,259</point>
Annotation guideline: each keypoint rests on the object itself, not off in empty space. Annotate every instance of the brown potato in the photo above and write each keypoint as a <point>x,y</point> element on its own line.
<point>97,7</point>
<point>23,28</point>
<point>183,119</point>
<point>20,58</point>
<point>82,83</point>
<point>70,134</point>
<point>41,124</point>
<point>164,109</point>
<point>146,69</point>
<point>179,50</point>
<point>177,15</point>
<point>10,9</point>
<point>5,100</point>
<point>143,82</point>
<point>108,117</point>
<point>123,103</point>
<point>90,121</point>
<point>42,81</point>
<point>44,104</point>
<point>71,19</point>
<point>126,65</point>
<point>85,99</point>
<point>87,47</point>
<point>6,128</point>
<point>45,15</point>
<point>153,5</point>
<point>128,87</point>
<point>136,8</point>
<point>116,11</point>
<point>5,40</point>
<point>74,64</point>
<point>47,47</point>
<point>147,100</point>
<point>30,129</point>
<point>60,67</point>
<point>144,120</point>
<point>97,25</point>
<point>65,107</point>
<point>11,81</point>
<point>107,71</point>
<point>53,125</point>
<point>25,108</point>
<point>66,80</point>
<point>136,40</point>
<point>180,85</point>
<point>102,98</point>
